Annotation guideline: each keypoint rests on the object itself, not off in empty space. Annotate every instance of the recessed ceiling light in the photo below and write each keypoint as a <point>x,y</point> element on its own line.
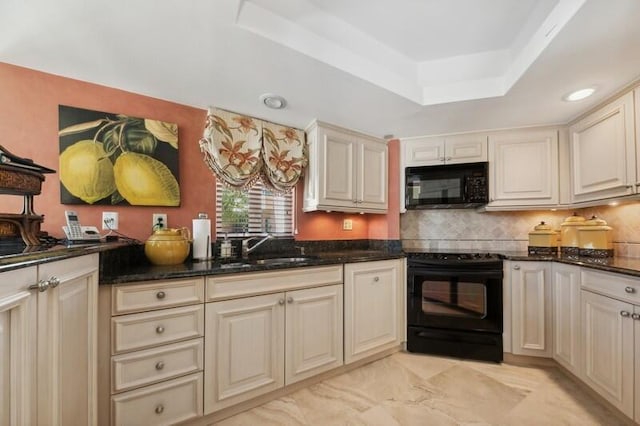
<point>579,94</point>
<point>273,101</point>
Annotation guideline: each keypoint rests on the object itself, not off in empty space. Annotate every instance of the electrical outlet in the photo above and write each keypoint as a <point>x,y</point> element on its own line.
<point>110,220</point>
<point>347,224</point>
<point>160,220</point>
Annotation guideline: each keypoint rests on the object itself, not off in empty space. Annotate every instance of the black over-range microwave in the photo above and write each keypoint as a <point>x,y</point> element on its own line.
<point>452,186</point>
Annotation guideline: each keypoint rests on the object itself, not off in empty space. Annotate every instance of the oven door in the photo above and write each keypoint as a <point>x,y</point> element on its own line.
<point>463,300</point>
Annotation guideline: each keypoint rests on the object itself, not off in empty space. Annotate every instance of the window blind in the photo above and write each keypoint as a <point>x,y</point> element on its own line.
<point>253,212</point>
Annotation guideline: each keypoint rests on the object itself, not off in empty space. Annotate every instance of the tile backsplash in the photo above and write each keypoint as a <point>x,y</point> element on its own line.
<point>509,231</point>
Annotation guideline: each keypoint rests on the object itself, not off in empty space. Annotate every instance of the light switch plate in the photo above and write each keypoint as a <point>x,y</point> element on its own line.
<point>347,224</point>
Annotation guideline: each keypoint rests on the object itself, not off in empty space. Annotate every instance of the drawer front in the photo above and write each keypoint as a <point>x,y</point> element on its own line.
<point>618,286</point>
<point>139,331</point>
<point>221,287</point>
<point>156,295</point>
<point>149,366</point>
<point>166,403</point>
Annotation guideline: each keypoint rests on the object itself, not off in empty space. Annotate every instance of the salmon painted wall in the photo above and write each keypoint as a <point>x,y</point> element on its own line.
<point>29,102</point>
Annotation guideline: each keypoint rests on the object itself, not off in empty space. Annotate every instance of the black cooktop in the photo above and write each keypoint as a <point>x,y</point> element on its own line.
<point>452,258</point>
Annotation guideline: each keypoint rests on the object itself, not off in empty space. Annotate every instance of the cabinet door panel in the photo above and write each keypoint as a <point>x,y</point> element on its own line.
<point>338,173</point>
<point>373,308</point>
<point>566,316</point>
<point>373,176</point>
<point>524,168</point>
<point>67,342</point>
<point>244,349</point>
<point>636,333</point>
<point>17,347</point>
<point>466,149</point>
<point>424,152</point>
<point>601,146</point>
<point>531,309</point>
<point>313,332</point>
<point>608,349</point>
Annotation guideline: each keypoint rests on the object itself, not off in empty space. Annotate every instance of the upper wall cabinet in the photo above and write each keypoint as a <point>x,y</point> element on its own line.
<point>603,153</point>
<point>454,149</point>
<point>523,169</point>
<point>347,171</point>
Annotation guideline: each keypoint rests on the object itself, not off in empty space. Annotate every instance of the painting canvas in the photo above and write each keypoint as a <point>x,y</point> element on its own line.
<point>116,159</point>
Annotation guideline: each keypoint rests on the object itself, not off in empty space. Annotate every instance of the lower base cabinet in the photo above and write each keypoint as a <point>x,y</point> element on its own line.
<point>609,349</point>
<point>567,341</point>
<point>255,345</point>
<point>374,307</point>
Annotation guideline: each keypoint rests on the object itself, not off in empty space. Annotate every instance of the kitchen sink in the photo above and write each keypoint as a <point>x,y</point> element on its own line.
<point>282,260</point>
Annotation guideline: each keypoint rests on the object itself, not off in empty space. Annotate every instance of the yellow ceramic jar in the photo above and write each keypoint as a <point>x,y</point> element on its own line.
<point>569,231</point>
<point>543,235</point>
<point>168,246</point>
<point>595,234</point>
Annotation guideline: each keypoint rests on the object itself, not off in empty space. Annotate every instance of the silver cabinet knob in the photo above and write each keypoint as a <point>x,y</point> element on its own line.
<point>516,268</point>
<point>635,316</point>
<point>441,158</point>
<point>54,282</point>
<point>159,365</point>
<point>625,314</point>
<point>289,299</point>
<point>161,295</point>
<point>41,286</point>
<point>376,279</point>
<point>281,302</point>
<point>159,409</point>
<point>448,158</point>
<point>159,329</point>
<point>630,289</point>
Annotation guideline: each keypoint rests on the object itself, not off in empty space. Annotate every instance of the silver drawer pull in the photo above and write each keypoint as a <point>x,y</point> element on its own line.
<point>161,295</point>
<point>159,329</point>
<point>281,302</point>
<point>41,286</point>
<point>54,282</point>
<point>635,316</point>
<point>625,314</point>
<point>159,365</point>
<point>289,299</point>
<point>630,289</point>
<point>376,279</point>
<point>159,409</point>
<point>516,268</point>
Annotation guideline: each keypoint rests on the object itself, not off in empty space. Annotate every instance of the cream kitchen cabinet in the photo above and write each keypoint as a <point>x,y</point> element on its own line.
<point>603,153</point>
<point>48,333</point>
<point>531,313</point>
<point>374,307</point>
<point>452,149</point>
<point>610,308</point>
<point>347,171</point>
<point>18,318</point>
<point>257,343</point>
<point>523,169</point>
<point>152,352</point>
<point>567,349</point>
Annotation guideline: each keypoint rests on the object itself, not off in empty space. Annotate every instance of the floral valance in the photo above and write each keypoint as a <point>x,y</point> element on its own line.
<point>241,149</point>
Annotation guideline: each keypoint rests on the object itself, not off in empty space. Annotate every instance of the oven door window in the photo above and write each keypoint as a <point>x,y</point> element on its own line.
<point>454,299</point>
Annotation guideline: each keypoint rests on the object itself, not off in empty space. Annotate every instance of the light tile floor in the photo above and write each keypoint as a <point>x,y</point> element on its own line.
<point>411,389</point>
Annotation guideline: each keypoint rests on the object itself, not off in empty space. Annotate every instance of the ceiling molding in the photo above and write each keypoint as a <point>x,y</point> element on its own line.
<point>319,35</point>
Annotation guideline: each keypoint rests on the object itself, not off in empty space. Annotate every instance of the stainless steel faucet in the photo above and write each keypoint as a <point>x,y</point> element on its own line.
<point>245,244</point>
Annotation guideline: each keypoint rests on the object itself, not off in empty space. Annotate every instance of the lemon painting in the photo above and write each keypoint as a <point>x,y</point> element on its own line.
<point>111,159</point>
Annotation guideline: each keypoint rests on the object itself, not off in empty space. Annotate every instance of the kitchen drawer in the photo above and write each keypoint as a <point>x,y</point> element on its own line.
<point>618,286</point>
<point>147,329</point>
<point>163,404</point>
<point>221,287</point>
<point>149,366</point>
<point>152,295</point>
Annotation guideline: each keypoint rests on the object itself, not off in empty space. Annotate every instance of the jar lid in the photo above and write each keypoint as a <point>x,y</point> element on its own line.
<point>595,221</point>
<point>572,220</point>
<point>543,227</point>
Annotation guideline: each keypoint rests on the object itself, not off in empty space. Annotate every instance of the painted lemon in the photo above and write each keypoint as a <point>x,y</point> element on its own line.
<point>145,181</point>
<point>86,171</point>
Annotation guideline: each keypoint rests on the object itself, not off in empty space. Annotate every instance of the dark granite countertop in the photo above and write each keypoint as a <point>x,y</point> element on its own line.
<point>617,264</point>
<point>145,272</point>
<point>19,256</point>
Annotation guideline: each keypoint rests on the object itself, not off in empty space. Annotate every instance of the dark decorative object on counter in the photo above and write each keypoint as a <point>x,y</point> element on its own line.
<point>21,176</point>
<point>596,253</point>
<point>532,250</point>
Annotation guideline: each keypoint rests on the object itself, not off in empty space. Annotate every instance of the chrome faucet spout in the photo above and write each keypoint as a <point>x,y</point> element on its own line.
<point>245,244</point>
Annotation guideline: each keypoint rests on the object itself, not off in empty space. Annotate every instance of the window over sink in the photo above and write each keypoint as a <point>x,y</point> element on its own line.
<point>256,211</point>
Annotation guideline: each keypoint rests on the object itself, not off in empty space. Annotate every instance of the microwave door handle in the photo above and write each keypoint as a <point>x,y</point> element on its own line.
<point>465,187</point>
